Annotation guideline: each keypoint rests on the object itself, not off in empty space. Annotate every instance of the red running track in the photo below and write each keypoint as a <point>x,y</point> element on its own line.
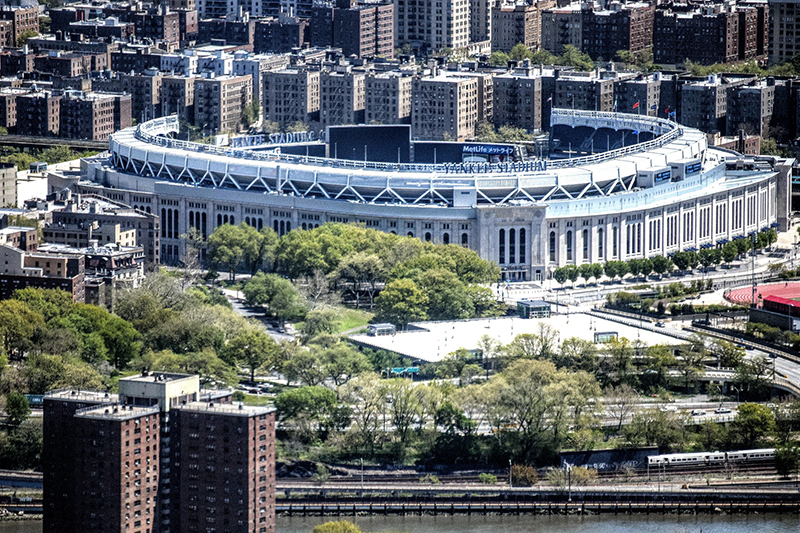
<point>745,296</point>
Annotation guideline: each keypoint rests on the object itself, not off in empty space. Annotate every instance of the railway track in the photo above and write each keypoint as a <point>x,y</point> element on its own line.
<point>739,469</point>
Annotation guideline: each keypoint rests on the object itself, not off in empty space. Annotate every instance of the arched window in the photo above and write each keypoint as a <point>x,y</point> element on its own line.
<point>288,226</point>
<point>614,241</point>
<point>552,246</point>
<point>502,247</point>
<point>427,237</point>
<point>464,239</point>
<point>410,234</point>
<point>304,225</point>
<point>247,220</point>
<point>275,226</point>
<point>233,221</point>
<point>585,244</point>
<point>176,228</point>
<point>283,228</point>
<point>446,238</point>
<point>569,246</point>
<point>169,223</point>
<point>260,223</point>
<point>191,219</point>
<point>393,232</point>
<point>512,246</point>
<point>522,245</point>
<point>163,222</point>
<point>203,220</point>
<point>600,243</point>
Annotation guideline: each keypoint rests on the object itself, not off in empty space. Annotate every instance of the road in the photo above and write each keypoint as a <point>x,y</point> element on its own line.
<point>256,313</point>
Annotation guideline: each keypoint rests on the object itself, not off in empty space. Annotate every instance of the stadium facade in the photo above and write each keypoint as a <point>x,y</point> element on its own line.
<point>637,198</point>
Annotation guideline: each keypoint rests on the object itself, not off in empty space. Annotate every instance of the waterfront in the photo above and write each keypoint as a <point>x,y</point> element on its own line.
<point>770,523</point>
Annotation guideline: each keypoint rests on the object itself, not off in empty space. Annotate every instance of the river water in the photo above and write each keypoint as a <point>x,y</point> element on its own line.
<point>771,523</point>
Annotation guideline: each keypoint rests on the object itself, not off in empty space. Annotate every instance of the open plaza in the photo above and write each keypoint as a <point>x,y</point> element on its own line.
<point>433,341</point>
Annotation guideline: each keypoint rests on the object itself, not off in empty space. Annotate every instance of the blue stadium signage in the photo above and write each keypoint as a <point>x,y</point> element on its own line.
<point>489,149</point>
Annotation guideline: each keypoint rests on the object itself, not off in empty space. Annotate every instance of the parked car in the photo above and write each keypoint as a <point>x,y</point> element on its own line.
<point>698,412</point>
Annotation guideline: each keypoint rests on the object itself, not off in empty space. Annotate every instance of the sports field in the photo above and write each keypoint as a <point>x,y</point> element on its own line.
<point>790,290</point>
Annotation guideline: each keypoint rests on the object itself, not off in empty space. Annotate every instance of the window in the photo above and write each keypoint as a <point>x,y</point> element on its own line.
<point>569,246</point>
<point>502,247</point>
<point>585,244</point>
<point>552,246</point>
<point>522,249</point>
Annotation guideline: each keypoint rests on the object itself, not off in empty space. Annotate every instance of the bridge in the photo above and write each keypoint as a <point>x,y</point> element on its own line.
<point>42,143</point>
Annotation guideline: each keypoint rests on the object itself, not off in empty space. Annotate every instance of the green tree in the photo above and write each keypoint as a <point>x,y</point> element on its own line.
<point>17,408</point>
<point>787,460</point>
<point>121,341</point>
<point>499,59</point>
<point>18,322</point>
<point>662,265</point>
<point>319,321</point>
<point>654,427</point>
<point>253,349</point>
<point>401,302</point>
<point>519,52</point>
<point>753,423</point>
<point>361,272</point>
<point>342,362</point>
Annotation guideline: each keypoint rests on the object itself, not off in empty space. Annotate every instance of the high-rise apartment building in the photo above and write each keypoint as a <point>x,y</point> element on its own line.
<point>444,107</point>
<point>219,102</point>
<point>784,32</point>
<point>518,23</point>
<point>291,95</point>
<point>93,116</point>
<point>38,113</point>
<point>365,30</point>
<point>715,33</point>
<point>562,26</point>
<point>621,27</point>
<point>518,98</point>
<point>162,456</point>
<point>432,24</point>
<point>387,98</point>
<point>341,97</point>
<point>578,90</point>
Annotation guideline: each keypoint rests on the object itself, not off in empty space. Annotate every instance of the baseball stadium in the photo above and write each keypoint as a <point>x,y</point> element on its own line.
<point>604,186</point>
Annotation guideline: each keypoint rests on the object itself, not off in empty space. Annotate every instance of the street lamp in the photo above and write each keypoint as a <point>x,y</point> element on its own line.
<point>568,468</point>
<point>737,392</point>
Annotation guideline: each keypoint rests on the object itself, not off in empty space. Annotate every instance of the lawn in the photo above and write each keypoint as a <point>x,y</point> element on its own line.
<point>353,318</point>
<point>258,399</point>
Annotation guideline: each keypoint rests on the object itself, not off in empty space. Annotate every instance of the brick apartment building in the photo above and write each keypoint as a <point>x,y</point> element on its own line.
<point>341,97</point>
<point>183,459</point>
<point>444,107</point>
<point>280,36</point>
<point>518,98</point>
<point>21,269</point>
<point>387,98</point>
<point>518,23</point>
<point>23,19</point>
<point>38,113</point>
<point>709,34</point>
<point>93,116</point>
<point>622,27</point>
<point>562,26</point>
<point>219,102</point>
<point>291,95</point>
<point>365,30</point>
<point>8,185</point>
